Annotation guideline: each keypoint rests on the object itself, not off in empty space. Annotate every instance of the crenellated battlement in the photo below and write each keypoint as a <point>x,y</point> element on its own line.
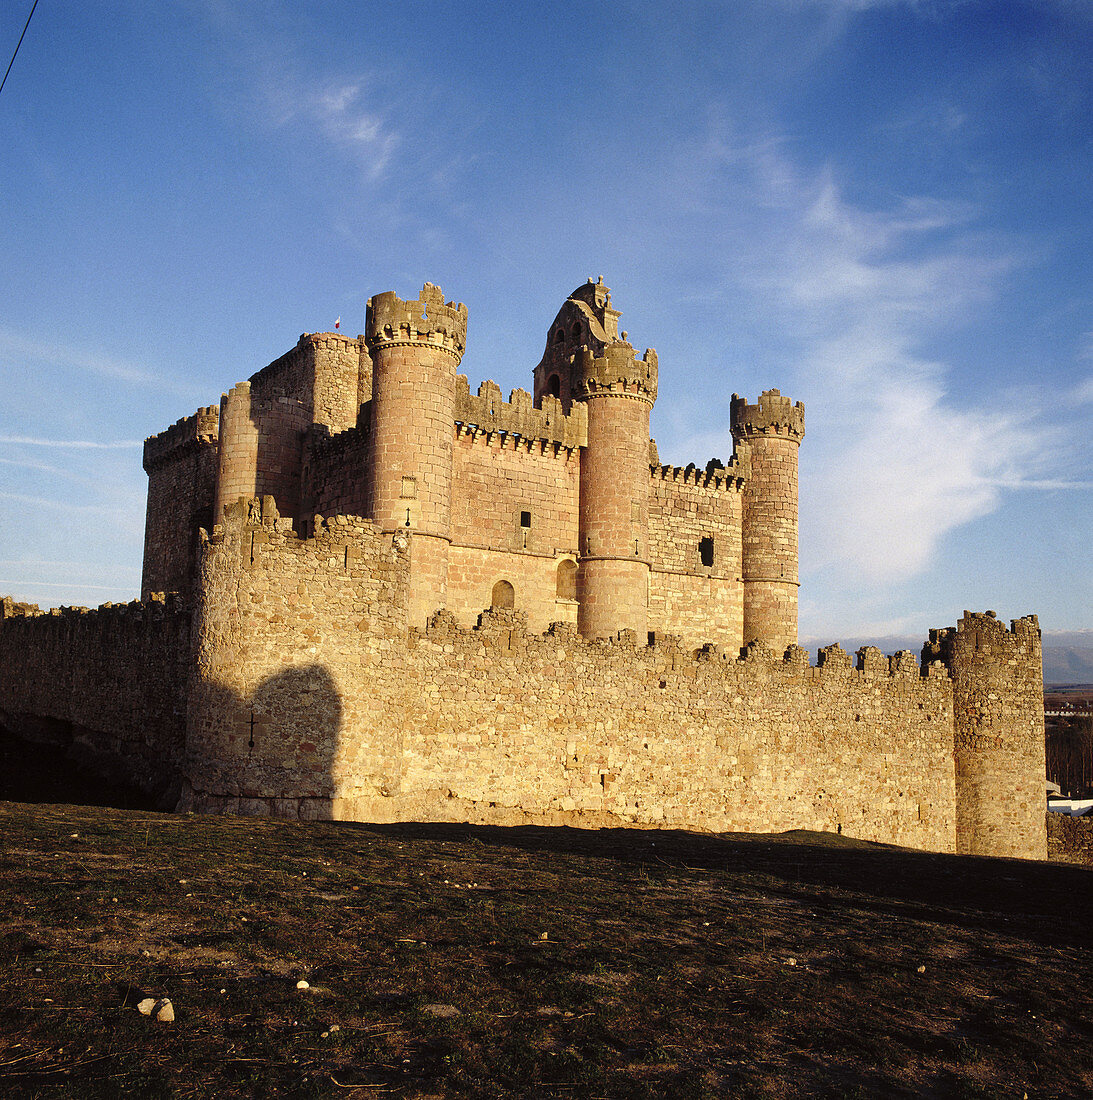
<point>428,320</point>
<point>507,630</point>
<point>773,414</point>
<point>336,342</point>
<point>983,635</point>
<point>485,411</point>
<point>197,430</point>
<point>716,475</point>
<point>617,371</point>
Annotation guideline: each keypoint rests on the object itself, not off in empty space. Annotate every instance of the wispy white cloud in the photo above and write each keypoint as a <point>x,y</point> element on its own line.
<point>896,462</point>
<point>15,345</point>
<point>338,110</point>
<point>31,441</point>
<point>286,93</point>
<point>1082,394</point>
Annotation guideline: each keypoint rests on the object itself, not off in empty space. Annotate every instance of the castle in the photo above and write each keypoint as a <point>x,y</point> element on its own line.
<point>370,593</point>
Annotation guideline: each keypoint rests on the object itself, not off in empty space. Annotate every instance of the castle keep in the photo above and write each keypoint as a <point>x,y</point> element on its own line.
<point>370,593</point>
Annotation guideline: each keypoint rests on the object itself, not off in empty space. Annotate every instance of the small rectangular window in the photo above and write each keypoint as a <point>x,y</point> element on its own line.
<point>525,519</point>
<point>705,551</point>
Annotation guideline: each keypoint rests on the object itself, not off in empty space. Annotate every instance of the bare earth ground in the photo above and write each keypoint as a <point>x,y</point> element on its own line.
<point>455,961</point>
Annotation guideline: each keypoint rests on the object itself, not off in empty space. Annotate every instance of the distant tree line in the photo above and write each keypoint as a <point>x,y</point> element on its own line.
<point>1070,755</point>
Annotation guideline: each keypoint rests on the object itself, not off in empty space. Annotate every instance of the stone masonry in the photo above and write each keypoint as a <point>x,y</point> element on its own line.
<point>393,599</point>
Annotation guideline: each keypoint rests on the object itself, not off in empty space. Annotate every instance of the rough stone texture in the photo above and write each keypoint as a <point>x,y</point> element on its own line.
<point>311,689</point>
<point>1070,839</point>
<point>181,464</point>
<point>107,686</point>
<point>773,428</point>
<point>999,733</point>
<point>415,602</point>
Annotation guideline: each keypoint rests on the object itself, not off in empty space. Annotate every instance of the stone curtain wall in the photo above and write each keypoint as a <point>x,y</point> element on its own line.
<point>291,635</point>
<point>355,717</point>
<point>497,478</point>
<point>698,602</point>
<point>335,478</point>
<point>107,686</point>
<point>181,463</point>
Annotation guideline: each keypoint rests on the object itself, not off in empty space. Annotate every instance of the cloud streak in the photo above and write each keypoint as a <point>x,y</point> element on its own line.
<point>286,96</point>
<point>15,345</point>
<point>895,462</point>
<point>31,441</point>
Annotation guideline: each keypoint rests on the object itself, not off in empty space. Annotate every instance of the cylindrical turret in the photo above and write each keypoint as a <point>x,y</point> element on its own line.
<point>613,569</point>
<point>416,347</point>
<point>237,450</point>
<point>998,718</point>
<point>773,430</point>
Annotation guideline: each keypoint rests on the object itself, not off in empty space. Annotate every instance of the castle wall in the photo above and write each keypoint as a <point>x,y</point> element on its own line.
<point>474,573</point>
<point>182,466</point>
<point>328,373</point>
<point>999,736</point>
<point>699,602</point>
<point>107,686</point>
<point>291,637</point>
<point>354,717</point>
<point>335,478</point>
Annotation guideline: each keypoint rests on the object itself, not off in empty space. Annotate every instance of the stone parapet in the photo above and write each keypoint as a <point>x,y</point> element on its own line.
<point>715,475</point>
<point>617,371</point>
<point>773,414</point>
<point>487,412</point>
<point>197,430</point>
<point>427,320</point>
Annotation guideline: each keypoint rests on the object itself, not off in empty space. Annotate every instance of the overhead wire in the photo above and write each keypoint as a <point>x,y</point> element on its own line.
<point>18,44</point>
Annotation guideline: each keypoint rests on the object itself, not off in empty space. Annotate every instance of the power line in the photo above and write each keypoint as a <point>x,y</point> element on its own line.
<point>18,44</point>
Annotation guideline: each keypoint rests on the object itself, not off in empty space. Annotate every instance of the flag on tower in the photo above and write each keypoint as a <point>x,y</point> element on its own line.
<point>338,323</point>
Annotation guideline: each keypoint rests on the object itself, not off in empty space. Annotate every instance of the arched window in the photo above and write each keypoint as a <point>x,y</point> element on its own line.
<point>554,386</point>
<point>559,336</point>
<point>567,580</point>
<point>576,330</point>
<point>503,598</point>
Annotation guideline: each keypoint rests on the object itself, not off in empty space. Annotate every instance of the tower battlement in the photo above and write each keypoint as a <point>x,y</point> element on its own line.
<point>426,320</point>
<point>773,414</point>
<point>618,369</point>
<point>487,412</point>
<point>196,430</point>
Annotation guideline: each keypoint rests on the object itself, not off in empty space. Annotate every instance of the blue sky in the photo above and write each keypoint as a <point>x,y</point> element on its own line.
<point>880,207</point>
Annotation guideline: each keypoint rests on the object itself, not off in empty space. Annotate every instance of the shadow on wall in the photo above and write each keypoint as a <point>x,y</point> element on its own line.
<point>272,752</point>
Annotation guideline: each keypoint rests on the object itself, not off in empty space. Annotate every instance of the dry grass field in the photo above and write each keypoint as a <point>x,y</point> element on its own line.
<point>450,961</point>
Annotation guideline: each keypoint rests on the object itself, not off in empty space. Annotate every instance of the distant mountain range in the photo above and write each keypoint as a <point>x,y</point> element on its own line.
<point>1068,654</point>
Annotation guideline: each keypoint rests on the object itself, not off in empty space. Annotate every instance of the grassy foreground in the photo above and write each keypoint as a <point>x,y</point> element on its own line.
<point>457,961</point>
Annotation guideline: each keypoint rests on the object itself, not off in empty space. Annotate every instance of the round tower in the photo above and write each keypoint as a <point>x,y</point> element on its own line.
<point>415,347</point>
<point>237,450</point>
<point>998,743</point>
<point>613,567</point>
<point>772,431</point>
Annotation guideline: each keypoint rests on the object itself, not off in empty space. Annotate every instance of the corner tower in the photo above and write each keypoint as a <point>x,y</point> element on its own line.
<point>415,346</point>
<point>773,430</point>
<point>586,360</point>
<point>998,751</point>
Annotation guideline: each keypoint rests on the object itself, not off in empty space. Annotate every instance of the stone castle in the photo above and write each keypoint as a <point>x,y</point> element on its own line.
<point>370,593</point>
